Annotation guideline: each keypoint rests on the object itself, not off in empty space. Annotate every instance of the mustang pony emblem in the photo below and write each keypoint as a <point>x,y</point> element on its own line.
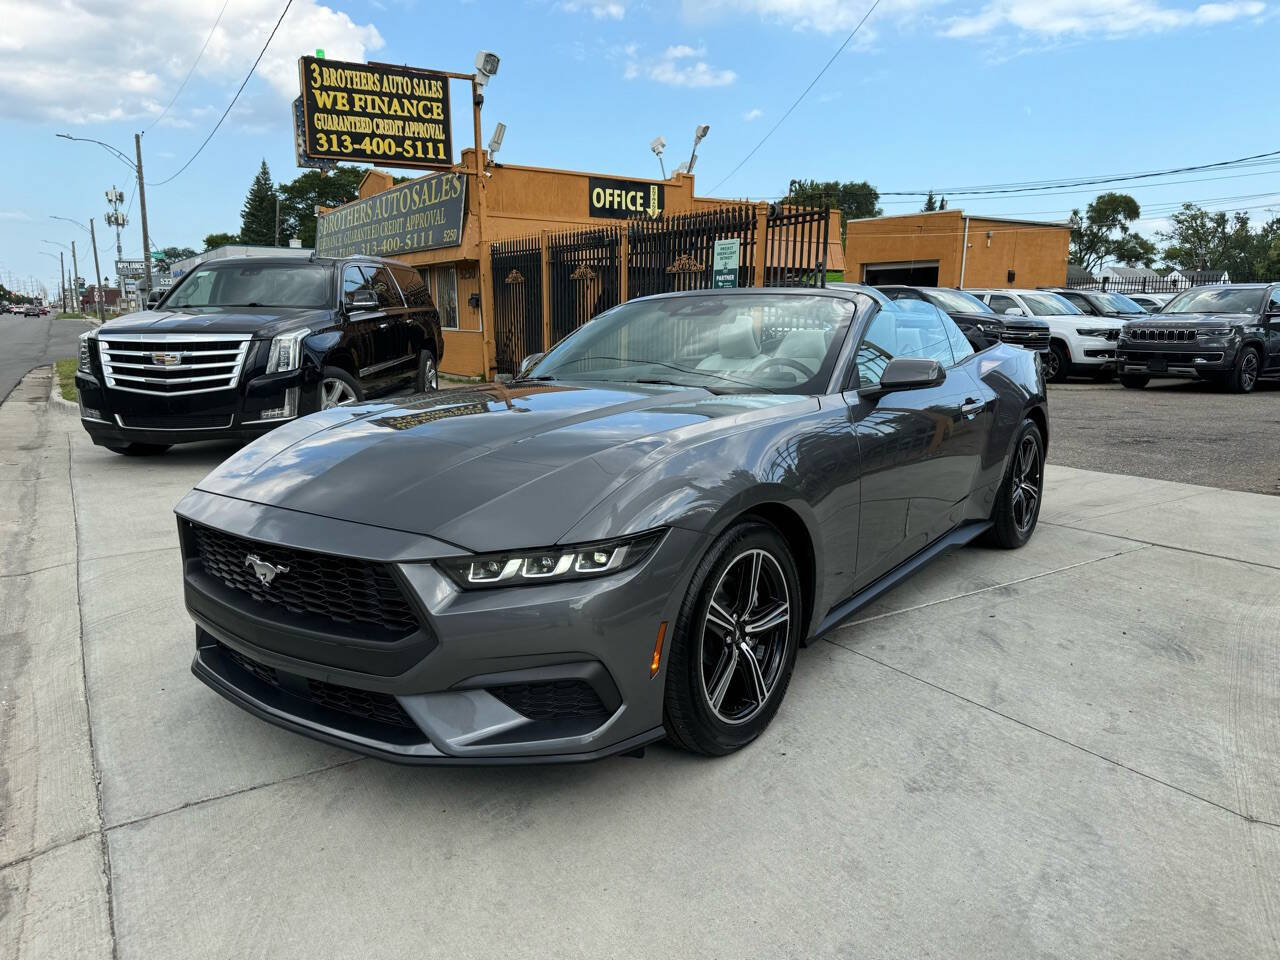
<point>266,572</point>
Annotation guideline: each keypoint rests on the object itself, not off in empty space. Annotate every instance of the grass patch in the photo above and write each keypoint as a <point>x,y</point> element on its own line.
<point>67,378</point>
<point>69,316</point>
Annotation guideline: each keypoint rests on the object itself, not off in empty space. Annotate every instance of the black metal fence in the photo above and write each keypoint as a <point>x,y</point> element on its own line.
<point>1170,284</point>
<point>517,300</point>
<point>662,256</point>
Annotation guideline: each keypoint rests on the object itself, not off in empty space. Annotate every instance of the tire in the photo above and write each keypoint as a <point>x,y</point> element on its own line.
<point>1057,363</point>
<point>138,449</point>
<point>1243,377</point>
<point>693,680</point>
<point>338,387</point>
<point>428,377</point>
<point>1013,525</point>
<point>1134,381</point>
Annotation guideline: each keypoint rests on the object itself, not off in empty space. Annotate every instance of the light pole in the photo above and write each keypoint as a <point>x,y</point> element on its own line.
<point>142,190</point>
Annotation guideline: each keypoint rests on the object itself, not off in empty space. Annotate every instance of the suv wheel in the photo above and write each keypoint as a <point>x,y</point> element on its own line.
<point>1244,375</point>
<point>428,379</point>
<point>338,388</point>
<point>735,641</point>
<point>1134,381</point>
<point>1056,363</point>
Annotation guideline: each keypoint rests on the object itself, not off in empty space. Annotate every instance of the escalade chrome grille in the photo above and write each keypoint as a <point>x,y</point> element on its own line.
<point>1165,334</point>
<point>172,364</point>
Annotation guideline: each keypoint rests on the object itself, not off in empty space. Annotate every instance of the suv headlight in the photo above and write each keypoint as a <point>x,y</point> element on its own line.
<point>1214,332</point>
<point>85,364</point>
<point>286,351</point>
<point>549,565</point>
<point>1093,331</point>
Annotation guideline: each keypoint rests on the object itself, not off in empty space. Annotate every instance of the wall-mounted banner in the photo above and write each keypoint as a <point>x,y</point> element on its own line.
<point>375,113</point>
<point>625,199</point>
<point>423,214</point>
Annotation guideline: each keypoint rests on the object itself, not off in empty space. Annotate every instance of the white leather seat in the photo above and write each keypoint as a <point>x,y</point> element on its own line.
<point>739,347</point>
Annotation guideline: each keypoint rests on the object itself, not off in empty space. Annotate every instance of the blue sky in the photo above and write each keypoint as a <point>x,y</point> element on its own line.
<point>932,93</point>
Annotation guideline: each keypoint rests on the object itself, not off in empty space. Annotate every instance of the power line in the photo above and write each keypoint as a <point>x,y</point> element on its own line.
<point>270,37</point>
<point>183,85</point>
<point>803,94</point>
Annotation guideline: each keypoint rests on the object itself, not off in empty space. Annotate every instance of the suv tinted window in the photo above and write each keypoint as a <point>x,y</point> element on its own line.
<point>1080,301</point>
<point>414,288</point>
<point>1273,305</point>
<point>1000,303</point>
<point>353,279</point>
<point>384,285</point>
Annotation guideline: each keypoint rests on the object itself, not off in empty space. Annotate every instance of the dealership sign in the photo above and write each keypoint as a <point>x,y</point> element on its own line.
<point>423,214</point>
<point>375,113</point>
<point>300,141</point>
<point>624,199</point>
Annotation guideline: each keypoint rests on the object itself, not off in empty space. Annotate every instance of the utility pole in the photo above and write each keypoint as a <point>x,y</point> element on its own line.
<point>142,211</point>
<point>62,279</point>
<point>277,243</point>
<point>98,295</point>
<point>75,279</point>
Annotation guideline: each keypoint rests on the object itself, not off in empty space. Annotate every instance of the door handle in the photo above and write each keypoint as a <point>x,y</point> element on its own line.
<point>973,407</point>
<point>383,326</point>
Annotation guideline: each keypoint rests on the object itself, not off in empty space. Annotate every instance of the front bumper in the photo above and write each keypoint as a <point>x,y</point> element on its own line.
<point>531,674</point>
<point>1179,359</point>
<point>115,417</point>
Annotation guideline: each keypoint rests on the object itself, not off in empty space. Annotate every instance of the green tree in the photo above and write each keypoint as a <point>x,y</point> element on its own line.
<point>854,200</point>
<point>214,240</point>
<point>1199,239</point>
<point>258,215</point>
<point>1102,233</point>
<point>300,196</point>
<point>930,203</point>
<point>177,253</point>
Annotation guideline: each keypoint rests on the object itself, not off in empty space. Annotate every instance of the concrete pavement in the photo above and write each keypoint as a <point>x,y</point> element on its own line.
<point>1072,750</point>
<point>30,342</point>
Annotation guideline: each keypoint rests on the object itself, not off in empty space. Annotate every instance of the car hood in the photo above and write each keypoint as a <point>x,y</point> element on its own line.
<point>264,321</point>
<point>1162,320</point>
<point>491,468</point>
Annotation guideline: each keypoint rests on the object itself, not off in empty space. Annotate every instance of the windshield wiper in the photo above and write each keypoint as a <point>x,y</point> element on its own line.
<point>659,380</point>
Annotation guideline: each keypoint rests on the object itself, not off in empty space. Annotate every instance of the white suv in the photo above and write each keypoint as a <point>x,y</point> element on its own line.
<point>1080,344</point>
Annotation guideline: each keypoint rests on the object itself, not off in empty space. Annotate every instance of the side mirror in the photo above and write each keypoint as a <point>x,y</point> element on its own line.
<point>1014,312</point>
<point>361,300</point>
<point>528,363</point>
<point>911,373</point>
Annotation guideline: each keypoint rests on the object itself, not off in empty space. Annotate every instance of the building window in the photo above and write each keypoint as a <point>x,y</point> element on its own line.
<point>446,282</point>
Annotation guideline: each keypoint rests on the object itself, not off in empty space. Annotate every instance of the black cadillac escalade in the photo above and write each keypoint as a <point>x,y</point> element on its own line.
<point>242,345</point>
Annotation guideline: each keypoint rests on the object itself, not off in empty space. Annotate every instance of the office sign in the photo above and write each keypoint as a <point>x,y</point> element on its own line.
<point>423,214</point>
<point>375,113</point>
<point>724,264</point>
<point>625,199</point>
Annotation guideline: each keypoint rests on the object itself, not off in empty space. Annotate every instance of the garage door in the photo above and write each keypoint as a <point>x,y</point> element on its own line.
<point>921,273</point>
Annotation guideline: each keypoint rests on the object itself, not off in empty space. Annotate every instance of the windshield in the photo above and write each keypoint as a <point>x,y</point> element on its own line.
<point>254,285</point>
<point>1117,303</point>
<point>726,344</point>
<point>1217,300</point>
<point>954,301</point>
<point>1049,304</point>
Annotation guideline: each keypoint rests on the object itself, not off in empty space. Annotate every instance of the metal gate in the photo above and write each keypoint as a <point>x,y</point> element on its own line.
<point>584,275</point>
<point>517,300</point>
<point>675,253</point>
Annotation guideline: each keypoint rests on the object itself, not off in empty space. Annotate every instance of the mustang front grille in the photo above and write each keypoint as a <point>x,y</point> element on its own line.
<point>172,364</point>
<point>339,589</point>
<point>570,698</point>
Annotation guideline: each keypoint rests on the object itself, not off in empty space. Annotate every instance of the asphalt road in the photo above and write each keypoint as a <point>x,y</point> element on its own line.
<point>1180,430</point>
<point>30,342</point>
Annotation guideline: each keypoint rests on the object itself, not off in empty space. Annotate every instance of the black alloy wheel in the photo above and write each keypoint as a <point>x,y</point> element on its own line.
<point>1017,506</point>
<point>1244,376</point>
<point>428,378</point>
<point>1056,363</point>
<point>735,642</point>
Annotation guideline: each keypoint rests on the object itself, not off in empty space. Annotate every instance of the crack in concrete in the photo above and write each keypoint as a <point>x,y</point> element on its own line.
<point>1166,546</point>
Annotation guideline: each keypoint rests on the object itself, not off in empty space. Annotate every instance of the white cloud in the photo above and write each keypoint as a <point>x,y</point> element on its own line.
<point>677,66</point>
<point>14,215</point>
<point>755,113</point>
<point>1112,17</point>
<point>827,16</point>
<point>42,84</point>
<point>608,10</point>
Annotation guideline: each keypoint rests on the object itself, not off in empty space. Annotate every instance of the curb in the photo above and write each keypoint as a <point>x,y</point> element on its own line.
<point>55,395</point>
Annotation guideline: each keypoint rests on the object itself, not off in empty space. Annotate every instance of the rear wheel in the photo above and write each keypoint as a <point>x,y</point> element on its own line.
<point>338,388</point>
<point>1056,363</point>
<point>1244,375</point>
<point>735,642</point>
<point>1134,381</point>
<point>428,379</point>
<point>138,449</point>
<point>1017,506</point>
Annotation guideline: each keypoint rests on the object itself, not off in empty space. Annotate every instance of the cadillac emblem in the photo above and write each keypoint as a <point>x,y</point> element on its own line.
<point>265,572</point>
<point>166,359</point>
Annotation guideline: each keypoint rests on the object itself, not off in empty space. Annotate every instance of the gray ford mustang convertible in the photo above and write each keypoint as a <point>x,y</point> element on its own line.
<point>628,541</point>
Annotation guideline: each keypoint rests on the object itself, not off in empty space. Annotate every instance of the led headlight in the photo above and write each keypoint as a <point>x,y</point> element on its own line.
<point>85,365</point>
<point>286,351</point>
<point>1092,331</point>
<point>1214,332</point>
<point>549,565</point>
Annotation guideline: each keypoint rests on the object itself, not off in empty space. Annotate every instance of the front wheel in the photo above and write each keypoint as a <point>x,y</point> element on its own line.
<point>338,388</point>
<point>428,378</point>
<point>735,641</point>
<point>1244,375</point>
<point>1134,381</point>
<point>1017,506</point>
<point>1057,362</point>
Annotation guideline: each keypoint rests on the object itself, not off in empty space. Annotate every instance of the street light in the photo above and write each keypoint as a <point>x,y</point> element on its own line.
<point>119,154</point>
<point>699,134</point>
<point>657,145</point>
<point>54,216</point>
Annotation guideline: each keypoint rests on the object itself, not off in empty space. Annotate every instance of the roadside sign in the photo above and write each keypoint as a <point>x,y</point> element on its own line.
<point>724,264</point>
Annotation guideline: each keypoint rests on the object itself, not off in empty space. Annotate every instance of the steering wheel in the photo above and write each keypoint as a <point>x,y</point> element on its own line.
<point>785,362</point>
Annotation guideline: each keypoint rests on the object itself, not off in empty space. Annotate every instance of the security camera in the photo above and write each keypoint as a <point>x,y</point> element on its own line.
<point>495,142</point>
<point>486,66</point>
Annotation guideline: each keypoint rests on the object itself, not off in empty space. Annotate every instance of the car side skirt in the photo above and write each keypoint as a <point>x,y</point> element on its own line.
<point>959,537</point>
